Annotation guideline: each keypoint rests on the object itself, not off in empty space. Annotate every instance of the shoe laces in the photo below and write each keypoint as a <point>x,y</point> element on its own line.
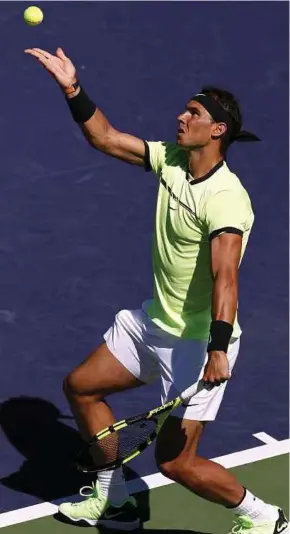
<point>95,499</point>
<point>241,524</point>
<point>92,491</point>
<point>95,502</point>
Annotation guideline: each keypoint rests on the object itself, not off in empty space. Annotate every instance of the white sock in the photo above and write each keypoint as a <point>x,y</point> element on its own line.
<point>113,485</point>
<point>256,509</point>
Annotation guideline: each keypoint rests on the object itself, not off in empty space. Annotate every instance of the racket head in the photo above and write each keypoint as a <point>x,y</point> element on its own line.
<point>124,440</point>
<point>117,444</point>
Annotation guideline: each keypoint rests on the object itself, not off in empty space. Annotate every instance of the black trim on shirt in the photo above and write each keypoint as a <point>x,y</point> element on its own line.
<point>162,181</point>
<point>192,181</point>
<point>147,164</point>
<point>225,230</point>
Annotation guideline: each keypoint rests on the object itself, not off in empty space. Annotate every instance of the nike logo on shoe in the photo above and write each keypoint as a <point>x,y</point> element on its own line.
<point>113,515</point>
<point>282,527</point>
<point>281,523</point>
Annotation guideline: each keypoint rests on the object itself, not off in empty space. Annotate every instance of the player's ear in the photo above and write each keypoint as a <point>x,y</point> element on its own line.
<point>219,128</point>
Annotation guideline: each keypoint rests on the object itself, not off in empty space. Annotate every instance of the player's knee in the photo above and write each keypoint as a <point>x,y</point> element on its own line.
<point>185,468</point>
<point>187,471</point>
<point>70,385</point>
<point>75,389</point>
<point>172,470</point>
<point>172,465</point>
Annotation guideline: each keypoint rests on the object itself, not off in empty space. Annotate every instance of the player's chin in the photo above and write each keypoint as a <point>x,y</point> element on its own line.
<point>181,139</point>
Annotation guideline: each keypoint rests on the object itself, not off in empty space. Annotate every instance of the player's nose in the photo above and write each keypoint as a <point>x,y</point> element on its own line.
<point>181,118</point>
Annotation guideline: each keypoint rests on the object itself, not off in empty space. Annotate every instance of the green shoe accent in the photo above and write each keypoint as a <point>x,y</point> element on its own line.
<point>242,524</point>
<point>245,525</point>
<point>96,509</point>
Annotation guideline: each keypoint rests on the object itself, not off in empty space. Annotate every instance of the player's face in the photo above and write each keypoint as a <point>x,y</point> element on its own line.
<point>195,126</point>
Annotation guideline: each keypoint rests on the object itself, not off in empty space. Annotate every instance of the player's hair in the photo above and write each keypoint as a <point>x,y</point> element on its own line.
<point>230,104</point>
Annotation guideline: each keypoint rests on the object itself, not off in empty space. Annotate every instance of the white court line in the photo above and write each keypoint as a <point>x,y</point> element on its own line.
<point>269,450</point>
<point>265,438</point>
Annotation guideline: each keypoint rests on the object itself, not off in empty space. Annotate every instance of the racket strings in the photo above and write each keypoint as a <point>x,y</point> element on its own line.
<point>118,446</point>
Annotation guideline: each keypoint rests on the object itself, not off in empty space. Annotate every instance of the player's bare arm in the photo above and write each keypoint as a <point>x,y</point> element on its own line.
<point>225,258</point>
<point>97,129</point>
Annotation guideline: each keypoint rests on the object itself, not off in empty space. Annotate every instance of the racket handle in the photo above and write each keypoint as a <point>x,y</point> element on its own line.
<point>192,390</point>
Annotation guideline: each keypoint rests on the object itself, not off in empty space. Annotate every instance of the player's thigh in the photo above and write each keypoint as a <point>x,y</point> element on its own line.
<point>123,362</point>
<point>178,439</point>
<point>100,374</point>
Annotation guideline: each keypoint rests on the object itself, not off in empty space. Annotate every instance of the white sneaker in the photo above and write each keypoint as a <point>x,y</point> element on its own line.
<point>97,510</point>
<point>245,525</point>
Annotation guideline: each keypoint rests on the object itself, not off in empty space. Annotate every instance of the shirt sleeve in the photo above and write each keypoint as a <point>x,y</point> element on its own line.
<point>155,155</point>
<point>226,212</point>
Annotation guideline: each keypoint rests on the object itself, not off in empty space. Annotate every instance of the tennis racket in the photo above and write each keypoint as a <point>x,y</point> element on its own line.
<point>126,439</point>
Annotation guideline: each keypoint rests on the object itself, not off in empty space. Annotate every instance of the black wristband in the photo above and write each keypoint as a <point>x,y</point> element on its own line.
<point>81,107</point>
<point>219,336</point>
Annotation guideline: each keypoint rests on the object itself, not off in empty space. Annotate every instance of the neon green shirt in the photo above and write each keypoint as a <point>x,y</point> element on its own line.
<point>189,213</point>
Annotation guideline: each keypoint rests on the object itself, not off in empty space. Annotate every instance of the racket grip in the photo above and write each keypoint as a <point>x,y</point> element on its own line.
<point>191,391</point>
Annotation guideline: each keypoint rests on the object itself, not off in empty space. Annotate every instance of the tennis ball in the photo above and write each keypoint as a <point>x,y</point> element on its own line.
<point>33,16</point>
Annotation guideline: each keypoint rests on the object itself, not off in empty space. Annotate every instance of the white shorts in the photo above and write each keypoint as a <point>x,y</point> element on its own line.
<point>150,353</point>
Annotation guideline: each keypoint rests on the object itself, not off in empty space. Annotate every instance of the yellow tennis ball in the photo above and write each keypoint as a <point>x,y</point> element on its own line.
<point>33,15</point>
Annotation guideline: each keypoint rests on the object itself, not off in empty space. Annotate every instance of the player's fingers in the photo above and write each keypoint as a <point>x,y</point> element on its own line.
<point>205,376</point>
<point>38,56</point>
<point>225,376</point>
<point>206,381</point>
<point>208,378</point>
<point>51,66</point>
<point>30,51</point>
<point>47,64</point>
<point>214,379</point>
<point>44,53</point>
<point>60,53</point>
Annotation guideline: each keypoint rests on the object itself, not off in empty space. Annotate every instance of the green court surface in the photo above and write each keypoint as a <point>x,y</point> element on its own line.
<point>174,509</point>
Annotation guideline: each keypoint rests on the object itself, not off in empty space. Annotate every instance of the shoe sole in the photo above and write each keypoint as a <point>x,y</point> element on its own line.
<point>107,523</point>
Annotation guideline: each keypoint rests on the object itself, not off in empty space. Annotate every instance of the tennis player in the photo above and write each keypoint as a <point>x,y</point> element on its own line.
<point>189,328</point>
